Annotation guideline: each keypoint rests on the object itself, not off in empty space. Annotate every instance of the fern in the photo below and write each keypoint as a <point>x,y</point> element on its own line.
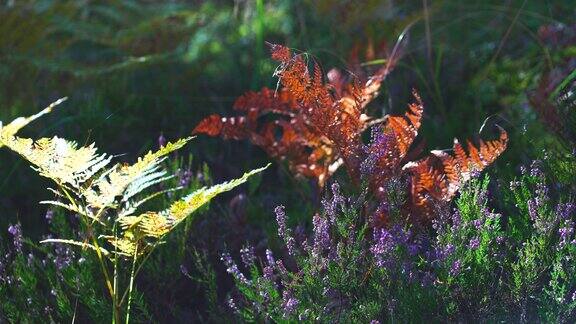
<point>324,127</point>
<point>320,123</point>
<point>108,199</point>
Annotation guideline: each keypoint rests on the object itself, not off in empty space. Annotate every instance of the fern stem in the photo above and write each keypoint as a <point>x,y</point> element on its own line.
<point>115,299</point>
<point>132,275</point>
<point>111,290</point>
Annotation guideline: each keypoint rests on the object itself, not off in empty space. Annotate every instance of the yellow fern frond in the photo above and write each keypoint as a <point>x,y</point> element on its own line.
<point>124,245</point>
<point>187,205</point>
<point>77,243</point>
<point>157,224</point>
<point>11,129</point>
<point>59,159</point>
<point>126,181</point>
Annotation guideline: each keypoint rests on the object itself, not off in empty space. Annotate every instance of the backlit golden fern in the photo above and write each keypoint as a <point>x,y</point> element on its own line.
<point>92,189</point>
<point>108,199</point>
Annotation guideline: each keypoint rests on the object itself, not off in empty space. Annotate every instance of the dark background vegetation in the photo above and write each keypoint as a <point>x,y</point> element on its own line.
<point>136,69</point>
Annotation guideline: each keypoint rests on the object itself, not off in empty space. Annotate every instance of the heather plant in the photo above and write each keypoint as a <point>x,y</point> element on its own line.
<point>470,250</point>
<point>51,282</point>
<point>546,249</point>
<point>338,273</point>
<point>476,262</point>
<point>109,203</point>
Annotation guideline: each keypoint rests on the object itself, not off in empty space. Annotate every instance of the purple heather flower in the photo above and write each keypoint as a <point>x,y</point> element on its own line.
<point>455,268</point>
<point>232,268</point>
<point>185,177</point>
<point>374,322</point>
<point>478,223</point>
<point>49,215</point>
<point>184,270</point>
<point>30,259</point>
<point>64,256</point>
<point>378,145</point>
<point>270,258</point>
<point>338,199</point>
<point>566,233</point>
<point>232,305</point>
<point>383,245</point>
<point>413,248</point>
<point>284,231</point>
<point>16,232</point>
<point>321,233</point>
<point>446,251</point>
<point>533,209</point>
<point>268,273</point>
<point>474,243</point>
<point>564,211</point>
<point>289,302</point>
<point>281,268</point>
<point>269,268</point>
<point>536,169</point>
<point>161,140</point>
<point>331,206</point>
<point>456,219</point>
<point>248,255</point>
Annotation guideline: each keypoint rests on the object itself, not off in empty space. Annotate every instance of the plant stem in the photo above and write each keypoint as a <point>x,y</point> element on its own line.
<point>115,299</point>
<point>131,284</point>
<point>111,289</point>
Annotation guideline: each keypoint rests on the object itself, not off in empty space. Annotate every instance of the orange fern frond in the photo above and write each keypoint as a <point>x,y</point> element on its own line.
<point>318,124</point>
<point>437,177</point>
<point>399,133</point>
<point>226,127</point>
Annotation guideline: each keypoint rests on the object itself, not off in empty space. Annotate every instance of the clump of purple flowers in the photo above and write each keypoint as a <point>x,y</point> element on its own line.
<point>455,268</point>
<point>474,243</point>
<point>232,268</point>
<point>248,255</point>
<point>283,231</point>
<point>289,302</point>
<point>17,239</point>
<point>185,177</point>
<point>566,230</point>
<point>64,256</point>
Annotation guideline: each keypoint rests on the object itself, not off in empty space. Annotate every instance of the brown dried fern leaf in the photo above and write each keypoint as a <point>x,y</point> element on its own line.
<point>316,126</point>
<point>437,177</point>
